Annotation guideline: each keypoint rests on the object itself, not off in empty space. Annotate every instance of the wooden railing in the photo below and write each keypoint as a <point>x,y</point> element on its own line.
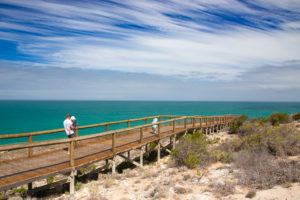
<point>194,120</point>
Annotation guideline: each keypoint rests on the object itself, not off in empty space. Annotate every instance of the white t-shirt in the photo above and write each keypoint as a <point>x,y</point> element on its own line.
<point>67,126</point>
<point>155,120</point>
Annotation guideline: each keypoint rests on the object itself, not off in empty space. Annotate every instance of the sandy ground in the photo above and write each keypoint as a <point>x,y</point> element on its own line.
<point>164,180</point>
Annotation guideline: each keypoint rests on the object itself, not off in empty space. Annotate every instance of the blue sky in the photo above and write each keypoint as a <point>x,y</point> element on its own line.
<point>219,50</point>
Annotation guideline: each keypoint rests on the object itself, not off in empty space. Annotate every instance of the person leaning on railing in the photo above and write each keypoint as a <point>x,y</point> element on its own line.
<point>68,124</point>
<point>74,124</point>
<point>154,126</point>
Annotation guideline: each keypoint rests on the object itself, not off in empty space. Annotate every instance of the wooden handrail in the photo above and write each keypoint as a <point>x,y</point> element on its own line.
<point>18,135</point>
<point>80,138</point>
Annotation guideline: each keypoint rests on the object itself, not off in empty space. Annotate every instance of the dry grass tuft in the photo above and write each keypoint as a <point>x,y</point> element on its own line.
<point>180,190</point>
<point>108,182</point>
<point>222,189</point>
<point>251,194</point>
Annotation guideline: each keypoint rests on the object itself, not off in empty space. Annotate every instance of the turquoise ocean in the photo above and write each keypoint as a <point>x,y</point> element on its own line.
<point>28,116</point>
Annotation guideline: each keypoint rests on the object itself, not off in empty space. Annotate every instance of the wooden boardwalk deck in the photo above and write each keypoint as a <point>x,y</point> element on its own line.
<point>85,150</point>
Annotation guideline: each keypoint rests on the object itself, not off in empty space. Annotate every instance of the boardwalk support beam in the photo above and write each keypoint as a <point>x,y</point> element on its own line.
<point>72,181</point>
<point>130,160</point>
<point>173,142</point>
<point>158,151</point>
<point>141,156</point>
<point>113,168</point>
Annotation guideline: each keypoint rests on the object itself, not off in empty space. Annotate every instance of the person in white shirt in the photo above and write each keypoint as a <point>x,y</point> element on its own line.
<point>154,126</point>
<point>68,126</point>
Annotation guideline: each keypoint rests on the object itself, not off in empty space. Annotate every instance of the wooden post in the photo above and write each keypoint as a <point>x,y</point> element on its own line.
<point>71,151</point>
<point>158,151</point>
<point>173,141</point>
<point>214,124</point>
<point>193,122</point>
<point>128,154</point>
<point>113,144</point>
<point>76,132</point>
<point>173,126</point>
<point>200,120</point>
<point>30,152</point>
<point>146,148</point>
<point>141,135</point>
<point>158,130</point>
<point>29,189</point>
<point>72,182</point>
<point>185,119</point>
<point>141,156</point>
<point>106,127</point>
<point>128,123</point>
<point>206,120</point>
<point>113,168</point>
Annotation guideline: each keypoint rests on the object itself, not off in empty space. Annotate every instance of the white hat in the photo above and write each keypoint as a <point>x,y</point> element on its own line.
<point>73,118</point>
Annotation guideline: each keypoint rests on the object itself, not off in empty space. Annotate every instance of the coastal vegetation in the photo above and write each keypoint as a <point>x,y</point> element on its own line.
<point>260,150</point>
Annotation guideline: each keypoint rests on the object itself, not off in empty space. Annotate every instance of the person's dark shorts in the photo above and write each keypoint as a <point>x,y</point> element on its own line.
<point>71,136</point>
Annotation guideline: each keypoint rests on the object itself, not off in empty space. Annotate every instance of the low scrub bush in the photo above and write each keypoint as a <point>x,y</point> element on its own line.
<point>191,151</point>
<point>22,191</point>
<point>236,124</point>
<point>250,127</point>
<point>78,185</point>
<point>50,179</point>
<point>221,156</point>
<point>296,116</point>
<point>279,118</point>
<point>278,141</point>
<point>261,170</point>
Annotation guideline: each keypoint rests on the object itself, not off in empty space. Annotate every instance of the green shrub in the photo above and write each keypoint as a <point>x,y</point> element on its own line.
<point>261,120</point>
<point>191,160</point>
<point>236,124</point>
<point>222,156</point>
<point>277,140</point>
<point>22,191</point>
<point>250,127</point>
<point>78,185</point>
<point>283,140</point>
<point>191,151</point>
<point>296,116</point>
<point>152,146</point>
<point>50,179</point>
<point>279,118</point>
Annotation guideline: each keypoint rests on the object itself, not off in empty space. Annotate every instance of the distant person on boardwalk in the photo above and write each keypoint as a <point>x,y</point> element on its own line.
<point>68,126</point>
<point>74,123</point>
<point>154,126</point>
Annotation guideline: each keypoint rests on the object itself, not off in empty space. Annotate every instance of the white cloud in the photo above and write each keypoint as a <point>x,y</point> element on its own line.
<point>189,49</point>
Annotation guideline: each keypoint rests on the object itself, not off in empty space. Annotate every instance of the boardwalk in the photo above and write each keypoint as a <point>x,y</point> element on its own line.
<point>44,159</point>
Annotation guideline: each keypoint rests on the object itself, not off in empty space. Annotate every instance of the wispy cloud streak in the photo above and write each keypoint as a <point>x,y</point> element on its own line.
<point>216,40</point>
